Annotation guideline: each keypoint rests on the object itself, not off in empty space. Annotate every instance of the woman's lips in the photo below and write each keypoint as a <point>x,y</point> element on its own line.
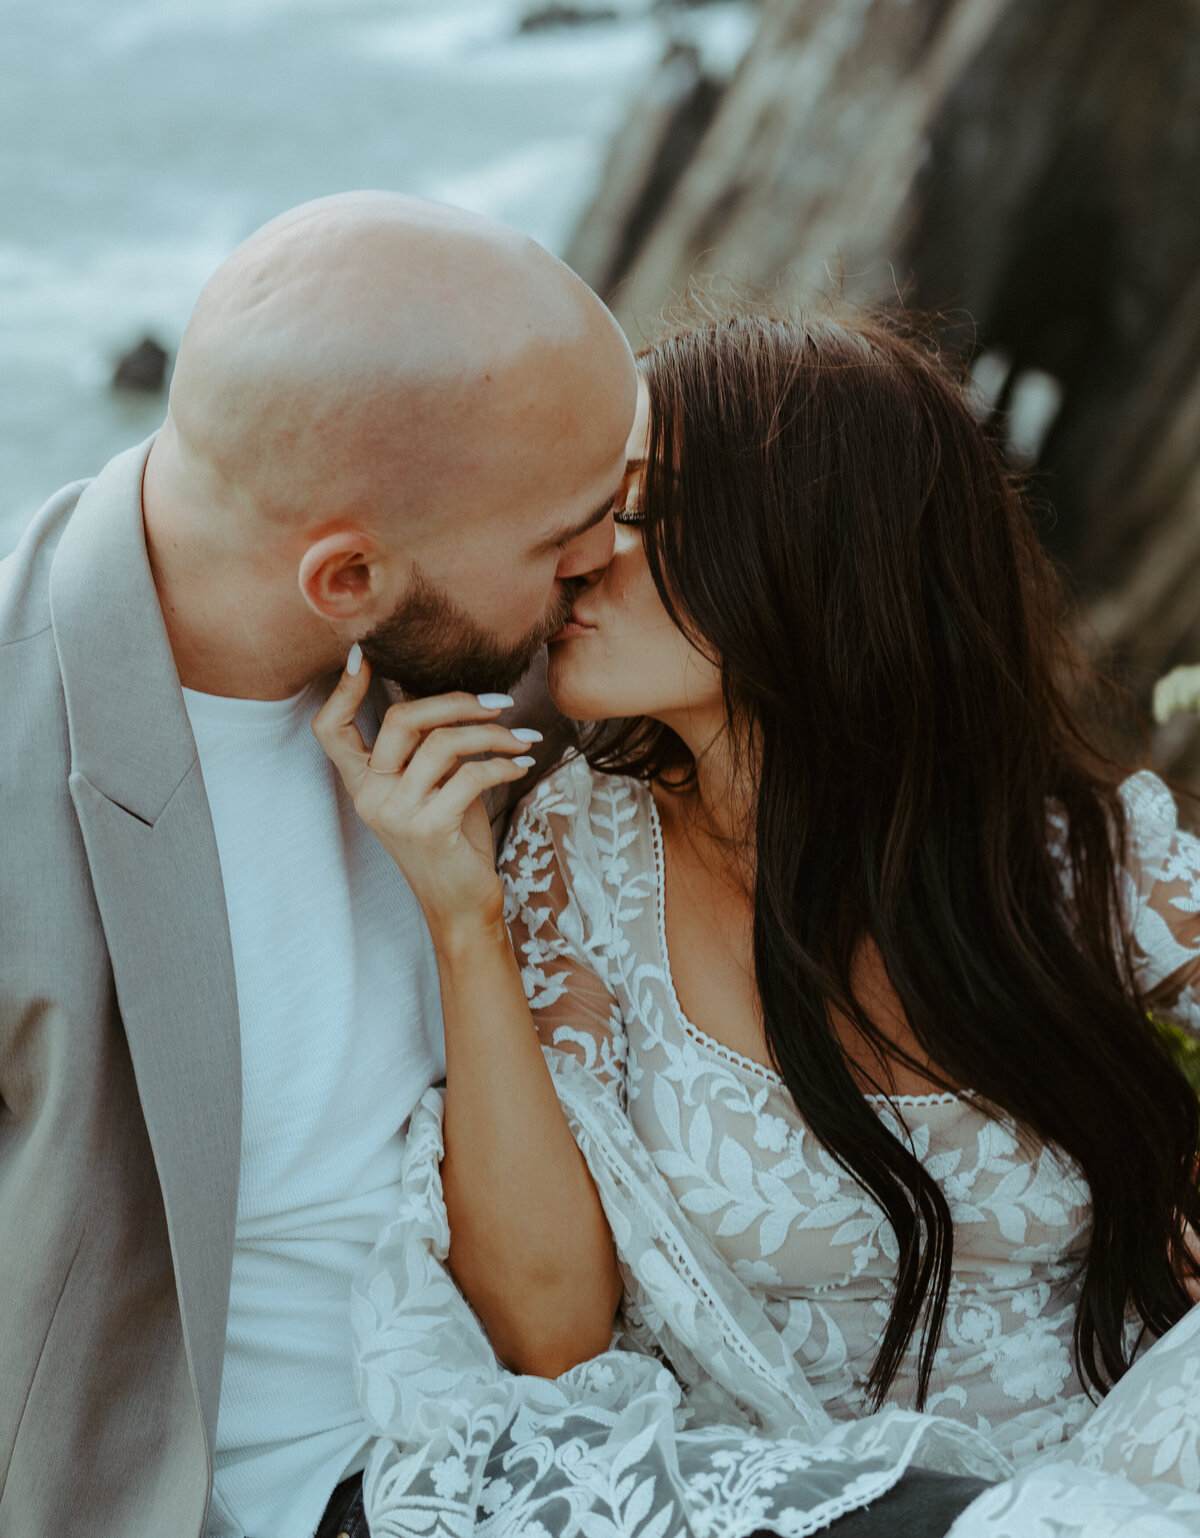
<point>574,627</point>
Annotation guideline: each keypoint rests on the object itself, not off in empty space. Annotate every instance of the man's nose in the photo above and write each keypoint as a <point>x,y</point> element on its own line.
<point>589,553</point>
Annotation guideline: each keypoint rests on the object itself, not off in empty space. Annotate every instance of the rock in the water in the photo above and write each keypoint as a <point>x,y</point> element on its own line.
<point>547,18</point>
<point>143,369</point>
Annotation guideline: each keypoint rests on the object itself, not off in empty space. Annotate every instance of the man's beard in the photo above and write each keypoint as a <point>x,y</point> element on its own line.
<point>430,645</point>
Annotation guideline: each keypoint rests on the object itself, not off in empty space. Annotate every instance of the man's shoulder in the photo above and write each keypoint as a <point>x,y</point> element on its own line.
<point>33,746</point>
<point>25,574</point>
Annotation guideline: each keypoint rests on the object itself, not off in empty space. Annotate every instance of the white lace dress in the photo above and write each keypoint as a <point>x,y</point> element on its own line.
<point>757,1267</point>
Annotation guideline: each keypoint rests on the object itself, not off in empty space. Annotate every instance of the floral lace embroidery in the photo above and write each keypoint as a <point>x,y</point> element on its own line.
<point>725,1135</point>
<point>757,1269</point>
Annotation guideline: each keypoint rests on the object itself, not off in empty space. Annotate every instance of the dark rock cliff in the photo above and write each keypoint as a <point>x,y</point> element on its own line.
<point>1027,172</point>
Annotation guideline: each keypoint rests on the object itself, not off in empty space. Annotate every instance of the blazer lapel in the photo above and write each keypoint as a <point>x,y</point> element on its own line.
<point>138,793</point>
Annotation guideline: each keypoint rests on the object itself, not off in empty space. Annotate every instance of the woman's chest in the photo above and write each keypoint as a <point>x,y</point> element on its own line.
<point>777,1207</point>
<point>707,932</point>
<point>726,1134</point>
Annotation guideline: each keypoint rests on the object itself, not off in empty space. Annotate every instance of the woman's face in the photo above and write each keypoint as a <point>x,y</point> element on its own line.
<point>621,655</point>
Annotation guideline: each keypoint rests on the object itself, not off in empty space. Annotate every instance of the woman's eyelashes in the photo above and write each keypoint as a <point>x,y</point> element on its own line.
<point>628,515</point>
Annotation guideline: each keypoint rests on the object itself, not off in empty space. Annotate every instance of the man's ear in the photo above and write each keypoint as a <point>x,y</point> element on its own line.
<point>339,576</point>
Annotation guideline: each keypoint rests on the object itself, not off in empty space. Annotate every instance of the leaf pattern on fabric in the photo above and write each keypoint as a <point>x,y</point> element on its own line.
<point>757,1268</point>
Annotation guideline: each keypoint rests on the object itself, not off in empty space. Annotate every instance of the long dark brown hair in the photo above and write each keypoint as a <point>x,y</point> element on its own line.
<point>827,520</point>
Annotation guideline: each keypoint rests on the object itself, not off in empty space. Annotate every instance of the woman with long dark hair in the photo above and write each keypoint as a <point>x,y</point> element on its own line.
<point>850,909</point>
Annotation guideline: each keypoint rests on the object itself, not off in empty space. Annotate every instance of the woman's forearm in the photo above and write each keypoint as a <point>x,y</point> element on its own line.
<point>529,1243</point>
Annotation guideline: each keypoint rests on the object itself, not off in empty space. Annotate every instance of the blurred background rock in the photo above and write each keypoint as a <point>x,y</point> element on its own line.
<point>1027,172</point>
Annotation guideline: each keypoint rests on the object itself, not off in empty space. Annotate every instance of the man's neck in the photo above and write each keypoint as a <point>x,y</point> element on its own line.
<point>231,631</point>
<point>226,639</point>
<point>209,668</point>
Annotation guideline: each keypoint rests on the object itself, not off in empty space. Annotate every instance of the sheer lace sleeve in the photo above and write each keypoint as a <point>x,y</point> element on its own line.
<point>555,909</point>
<point>1162,899</point>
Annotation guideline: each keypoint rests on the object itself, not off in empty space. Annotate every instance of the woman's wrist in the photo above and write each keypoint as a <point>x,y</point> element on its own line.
<point>459,938</point>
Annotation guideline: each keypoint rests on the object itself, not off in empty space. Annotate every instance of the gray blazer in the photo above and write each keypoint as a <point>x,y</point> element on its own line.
<point>120,1079</point>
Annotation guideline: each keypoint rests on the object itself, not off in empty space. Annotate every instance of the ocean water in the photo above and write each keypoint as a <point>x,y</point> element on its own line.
<point>141,140</point>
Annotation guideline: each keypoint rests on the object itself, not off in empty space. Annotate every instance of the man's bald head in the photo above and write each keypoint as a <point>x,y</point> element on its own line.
<point>427,383</point>
<point>371,335</point>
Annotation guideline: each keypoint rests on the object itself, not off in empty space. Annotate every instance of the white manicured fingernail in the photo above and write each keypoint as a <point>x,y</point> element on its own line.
<point>494,701</point>
<point>524,762</point>
<point>526,734</point>
<point>354,660</point>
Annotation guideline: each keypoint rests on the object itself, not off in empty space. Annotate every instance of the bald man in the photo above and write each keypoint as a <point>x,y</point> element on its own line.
<point>392,425</point>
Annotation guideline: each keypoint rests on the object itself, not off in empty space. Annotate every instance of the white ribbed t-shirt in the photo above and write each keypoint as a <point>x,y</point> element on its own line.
<point>341,1033</point>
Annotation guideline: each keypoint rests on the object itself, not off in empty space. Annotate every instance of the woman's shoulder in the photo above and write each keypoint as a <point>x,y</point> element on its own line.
<point>581,846</point>
<point>1161,858</point>
<point>1151,815</point>
<point>1151,819</point>
<point>573,794</point>
<point>585,831</point>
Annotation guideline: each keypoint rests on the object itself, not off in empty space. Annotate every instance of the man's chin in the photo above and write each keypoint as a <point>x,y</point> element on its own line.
<point>431,645</point>
<point>422,683</point>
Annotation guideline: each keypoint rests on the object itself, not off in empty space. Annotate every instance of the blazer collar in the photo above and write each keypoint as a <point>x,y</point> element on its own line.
<point>130,735</point>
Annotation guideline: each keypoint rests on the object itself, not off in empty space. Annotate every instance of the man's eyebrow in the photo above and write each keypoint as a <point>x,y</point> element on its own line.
<point>565,536</point>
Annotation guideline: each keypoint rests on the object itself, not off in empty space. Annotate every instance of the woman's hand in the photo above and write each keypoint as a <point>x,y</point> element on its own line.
<point>421,800</point>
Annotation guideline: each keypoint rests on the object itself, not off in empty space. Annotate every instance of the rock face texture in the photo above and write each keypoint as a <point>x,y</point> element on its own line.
<point>1029,173</point>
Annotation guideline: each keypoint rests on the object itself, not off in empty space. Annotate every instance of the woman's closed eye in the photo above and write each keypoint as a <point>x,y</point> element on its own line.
<point>628,515</point>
